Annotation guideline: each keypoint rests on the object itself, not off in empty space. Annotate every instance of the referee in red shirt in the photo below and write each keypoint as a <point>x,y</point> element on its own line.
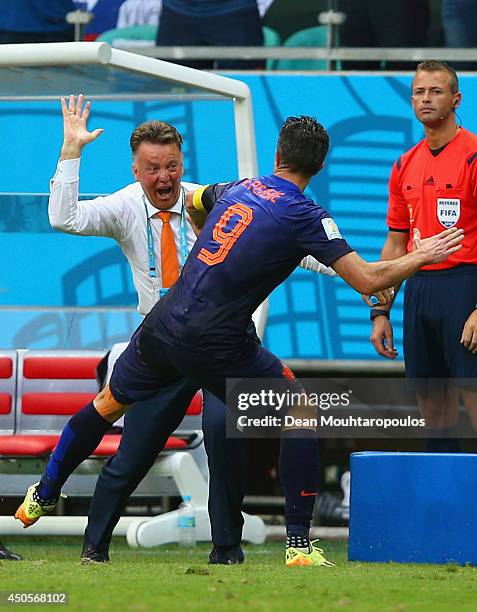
<point>434,186</point>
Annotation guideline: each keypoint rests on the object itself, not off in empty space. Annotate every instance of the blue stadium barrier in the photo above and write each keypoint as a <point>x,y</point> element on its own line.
<point>413,508</point>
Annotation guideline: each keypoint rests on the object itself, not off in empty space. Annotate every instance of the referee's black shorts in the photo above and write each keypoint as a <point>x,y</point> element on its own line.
<point>437,304</point>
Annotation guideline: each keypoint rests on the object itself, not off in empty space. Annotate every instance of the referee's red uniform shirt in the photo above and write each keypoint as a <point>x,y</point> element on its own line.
<point>433,193</point>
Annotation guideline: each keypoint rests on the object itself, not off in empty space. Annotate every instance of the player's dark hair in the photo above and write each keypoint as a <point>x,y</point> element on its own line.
<point>155,132</point>
<point>438,66</point>
<point>302,145</point>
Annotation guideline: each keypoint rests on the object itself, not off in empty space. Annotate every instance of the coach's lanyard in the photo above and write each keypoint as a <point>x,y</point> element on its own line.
<point>183,250</point>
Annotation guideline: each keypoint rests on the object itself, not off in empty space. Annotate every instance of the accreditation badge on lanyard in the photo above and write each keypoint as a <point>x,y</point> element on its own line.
<point>184,250</point>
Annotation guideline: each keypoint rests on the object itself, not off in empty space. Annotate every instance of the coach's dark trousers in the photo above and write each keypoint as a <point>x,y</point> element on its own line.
<point>147,426</point>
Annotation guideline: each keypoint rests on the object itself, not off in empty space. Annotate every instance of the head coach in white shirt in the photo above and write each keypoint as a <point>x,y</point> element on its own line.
<point>131,216</point>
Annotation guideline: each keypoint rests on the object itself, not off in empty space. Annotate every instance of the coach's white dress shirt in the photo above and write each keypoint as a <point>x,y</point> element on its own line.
<point>120,216</point>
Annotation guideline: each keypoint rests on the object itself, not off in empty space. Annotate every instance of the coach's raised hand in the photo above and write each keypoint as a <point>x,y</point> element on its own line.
<point>75,132</point>
<point>440,246</point>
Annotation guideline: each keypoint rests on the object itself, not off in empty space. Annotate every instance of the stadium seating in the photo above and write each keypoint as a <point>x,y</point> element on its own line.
<point>137,35</point>
<point>8,376</point>
<point>50,386</point>
<point>40,390</point>
<point>271,38</point>
<point>309,37</point>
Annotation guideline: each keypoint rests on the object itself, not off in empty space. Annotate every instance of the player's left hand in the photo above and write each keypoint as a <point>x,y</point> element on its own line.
<point>193,225</point>
<point>380,298</point>
<point>469,333</point>
<point>195,217</point>
<point>189,201</point>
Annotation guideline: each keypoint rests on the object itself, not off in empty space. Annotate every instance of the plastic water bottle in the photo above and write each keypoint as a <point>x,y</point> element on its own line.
<point>186,523</point>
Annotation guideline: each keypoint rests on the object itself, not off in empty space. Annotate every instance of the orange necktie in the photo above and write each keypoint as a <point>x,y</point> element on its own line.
<point>169,263</point>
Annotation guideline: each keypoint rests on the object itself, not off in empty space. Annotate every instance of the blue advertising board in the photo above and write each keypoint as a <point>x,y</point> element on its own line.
<point>370,123</point>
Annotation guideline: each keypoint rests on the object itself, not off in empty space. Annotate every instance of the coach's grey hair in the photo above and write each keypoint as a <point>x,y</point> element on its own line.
<point>155,132</point>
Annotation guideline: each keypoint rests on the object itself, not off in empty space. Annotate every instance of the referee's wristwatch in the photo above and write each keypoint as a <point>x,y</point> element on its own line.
<point>377,312</point>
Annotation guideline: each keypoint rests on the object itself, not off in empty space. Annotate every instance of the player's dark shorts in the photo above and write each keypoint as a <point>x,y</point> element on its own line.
<point>149,364</point>
<point>437,303</point>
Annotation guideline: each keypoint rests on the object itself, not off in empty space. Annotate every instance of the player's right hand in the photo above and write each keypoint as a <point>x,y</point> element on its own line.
<point>440,246</point>
<point>382,338</point>
<point>75,132</point>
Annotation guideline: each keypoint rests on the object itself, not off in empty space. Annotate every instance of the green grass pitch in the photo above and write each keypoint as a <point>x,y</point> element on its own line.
<point>173,579</point>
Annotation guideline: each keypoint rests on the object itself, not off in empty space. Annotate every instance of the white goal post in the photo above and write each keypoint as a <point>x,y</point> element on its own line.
<point>38,55</point>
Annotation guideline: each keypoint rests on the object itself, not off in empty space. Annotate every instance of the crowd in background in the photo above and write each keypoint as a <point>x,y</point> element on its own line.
<point>368,23</point>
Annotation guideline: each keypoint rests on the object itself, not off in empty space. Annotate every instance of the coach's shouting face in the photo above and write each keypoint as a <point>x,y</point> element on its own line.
<point>157,162</point>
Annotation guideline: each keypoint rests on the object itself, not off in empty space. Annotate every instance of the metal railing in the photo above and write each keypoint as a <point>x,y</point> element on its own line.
<point>346,367</point>
<point>333,54</point>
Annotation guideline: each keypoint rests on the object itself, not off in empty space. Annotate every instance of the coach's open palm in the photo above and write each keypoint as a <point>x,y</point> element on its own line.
<point>75,132</point>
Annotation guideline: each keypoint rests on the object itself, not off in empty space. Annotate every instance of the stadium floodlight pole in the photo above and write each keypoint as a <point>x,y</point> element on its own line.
<point>83,53</point>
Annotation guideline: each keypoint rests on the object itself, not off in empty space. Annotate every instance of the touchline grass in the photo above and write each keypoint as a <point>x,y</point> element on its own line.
<point>171,579</point>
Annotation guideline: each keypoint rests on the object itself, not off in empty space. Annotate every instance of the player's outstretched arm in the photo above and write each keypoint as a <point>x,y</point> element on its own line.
<point>75,132</point>
<point>313,265</point>
<point>368,278</point>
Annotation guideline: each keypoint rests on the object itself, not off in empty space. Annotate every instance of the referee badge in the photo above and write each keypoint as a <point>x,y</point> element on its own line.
<point>448,211</point>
